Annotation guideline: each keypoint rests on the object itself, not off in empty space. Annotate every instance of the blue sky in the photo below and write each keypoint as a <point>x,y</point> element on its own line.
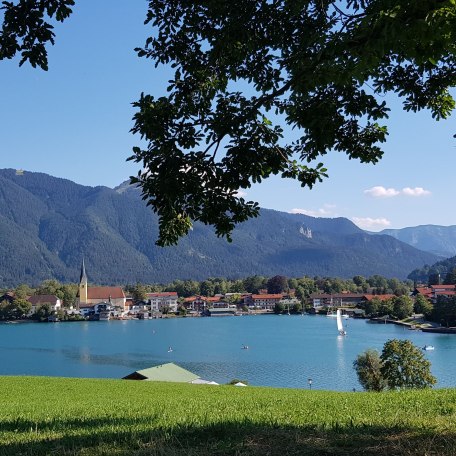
<point>74,120</point>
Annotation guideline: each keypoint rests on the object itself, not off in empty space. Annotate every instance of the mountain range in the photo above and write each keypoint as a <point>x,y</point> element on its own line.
<point>48,224</point>
<point>440,240</point>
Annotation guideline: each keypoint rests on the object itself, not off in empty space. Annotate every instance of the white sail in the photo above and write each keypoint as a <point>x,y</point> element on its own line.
<point>340,327</point>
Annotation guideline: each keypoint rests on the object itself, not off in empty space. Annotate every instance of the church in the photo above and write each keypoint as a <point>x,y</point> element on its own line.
<point>89,296</point>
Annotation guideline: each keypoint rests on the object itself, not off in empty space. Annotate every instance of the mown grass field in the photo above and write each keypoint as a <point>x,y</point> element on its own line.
<point>56,416</point>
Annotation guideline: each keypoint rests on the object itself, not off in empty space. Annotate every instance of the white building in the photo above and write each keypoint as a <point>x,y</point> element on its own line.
<point>39,300</point>
<point>158,301</point>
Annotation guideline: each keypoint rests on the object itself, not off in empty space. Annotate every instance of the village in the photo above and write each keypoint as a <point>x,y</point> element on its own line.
<point>97,303</point>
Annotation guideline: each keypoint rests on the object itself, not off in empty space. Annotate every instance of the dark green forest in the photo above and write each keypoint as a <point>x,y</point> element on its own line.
<point>48,224</point>
<point>440,272</point>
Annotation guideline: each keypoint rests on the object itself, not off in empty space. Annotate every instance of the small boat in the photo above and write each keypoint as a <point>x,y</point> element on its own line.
<point>245,347</point>
<point>340,327</point>
<point>170,349</point>
<point>428,347</point>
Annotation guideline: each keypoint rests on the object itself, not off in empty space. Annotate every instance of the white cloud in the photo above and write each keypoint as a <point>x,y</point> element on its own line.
<point>381,192</point>
<point>241,194</point>
<point>417,191</point>
<point>325,211</point>
<point>368,223</point>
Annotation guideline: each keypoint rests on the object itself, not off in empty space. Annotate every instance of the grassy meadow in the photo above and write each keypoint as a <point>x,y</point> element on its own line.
<point>61,416</point>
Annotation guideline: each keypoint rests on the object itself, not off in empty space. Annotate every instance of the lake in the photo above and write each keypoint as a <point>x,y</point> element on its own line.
<point>284,351</point>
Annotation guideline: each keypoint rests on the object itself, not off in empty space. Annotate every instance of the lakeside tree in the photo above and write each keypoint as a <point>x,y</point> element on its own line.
<point>368,369</point>
<point>236,286</point>
<point>404,366</point>
<point>279,308</point>
<point>386,307</point>
<point>254,283</point>
<point>15,309</point>
<point>444,311</point>
<point>50,287</point>
<point>361,283</point>
<point>402,307</point>
<point>23,291</point>
<point>277,284</point>
<point>422,306</point>
<point>244,71</point>
<point>70,291</point>
<point>372,307</point>
<point>20,307</point>
<point>234,299</point>
<point>4,309</point>
<point>220,286</point>
<point>296,308</point>
<point>207,288</point>
<point>306,286</point>
<point>43,312</point>
<point>378,283</point>
<point>184,288</point>
<point>401,365</point>
<point>399,287</point>
<point>139,292</point>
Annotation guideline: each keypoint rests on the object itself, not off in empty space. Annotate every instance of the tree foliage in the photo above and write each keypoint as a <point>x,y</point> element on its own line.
<point>243,70</point>
<point>26,29</point>
<point>401,365</point>
<point>277,284</point>
<point>422,306</point>
<point>368,369</point>
<point>14,309</point>
<point>450,277</point>
<point>404,366</point>
<point>279,308</point>
<point>444,311</point>
<point>402,307</point>
<point>43,312</point>
<point>22,291</point>
<point>430,274</point>
<point>320,67</point>
<point>139,293</point>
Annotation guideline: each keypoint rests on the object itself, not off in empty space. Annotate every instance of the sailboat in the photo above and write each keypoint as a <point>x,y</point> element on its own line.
<point>340,327</point>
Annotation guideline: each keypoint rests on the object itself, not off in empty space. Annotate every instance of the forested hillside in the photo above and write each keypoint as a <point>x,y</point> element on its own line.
<point>48,224</point>
<point>440,240</point>
<point>441,271</point>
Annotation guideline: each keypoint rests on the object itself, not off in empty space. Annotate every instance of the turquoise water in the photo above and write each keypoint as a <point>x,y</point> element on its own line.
<point>284,351</point>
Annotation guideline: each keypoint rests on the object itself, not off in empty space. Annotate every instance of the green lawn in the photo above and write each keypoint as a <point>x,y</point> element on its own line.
<point>55,416</point>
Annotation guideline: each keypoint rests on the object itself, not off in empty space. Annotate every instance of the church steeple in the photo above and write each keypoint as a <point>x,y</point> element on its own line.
<point>83,284</point>
<point>83,277</point>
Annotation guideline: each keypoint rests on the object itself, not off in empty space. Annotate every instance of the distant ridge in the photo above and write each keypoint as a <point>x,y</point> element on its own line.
<point>47,224</point>
<point>439,240</point>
